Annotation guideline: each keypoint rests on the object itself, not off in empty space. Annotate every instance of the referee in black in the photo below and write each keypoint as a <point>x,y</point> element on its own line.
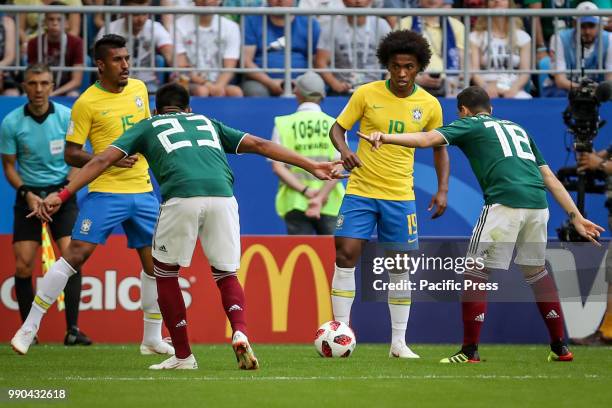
<point>32,141</point>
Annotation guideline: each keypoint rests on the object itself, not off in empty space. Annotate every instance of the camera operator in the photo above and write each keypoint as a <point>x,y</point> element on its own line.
<point>590,162</point>
<point>564,50</point>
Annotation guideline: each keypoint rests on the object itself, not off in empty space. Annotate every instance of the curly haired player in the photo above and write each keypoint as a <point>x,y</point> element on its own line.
<point>380,189</point>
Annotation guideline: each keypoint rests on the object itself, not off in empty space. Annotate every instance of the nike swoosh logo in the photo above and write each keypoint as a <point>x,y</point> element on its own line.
<point>377,107</point>
<point>410,241</point>
<point>104,112</point>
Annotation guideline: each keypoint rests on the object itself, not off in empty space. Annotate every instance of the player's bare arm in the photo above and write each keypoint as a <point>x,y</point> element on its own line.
<point>337,135</point>
<point>75,156</point>
<point>442,165</point>
<point>584,227</point>
<point>274,151</point>
<point>417,139</point>
<point>86,175</point>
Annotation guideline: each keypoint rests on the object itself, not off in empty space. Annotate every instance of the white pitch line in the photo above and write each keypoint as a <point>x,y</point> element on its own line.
<point>331,378</point>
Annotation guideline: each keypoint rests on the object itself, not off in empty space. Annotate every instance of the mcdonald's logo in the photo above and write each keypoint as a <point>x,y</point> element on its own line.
<point>279,281</point>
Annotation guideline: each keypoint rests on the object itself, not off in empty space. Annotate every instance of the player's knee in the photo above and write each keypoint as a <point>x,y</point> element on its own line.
<point>77,253</point>
<point>345,257</point>
<point>531,271</point>
<point>219,274</point>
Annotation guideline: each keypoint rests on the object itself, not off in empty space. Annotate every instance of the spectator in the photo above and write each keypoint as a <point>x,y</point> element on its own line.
<point>354,43</point>
<point>242,3</point>
<point>309,206</point>
<point>509,48</point>
<point>7,55</point>
<point>143,44</point>
<point>262,83</point>
<point>28,23</point>
<point>564,50</point>
<point>218,39</point>
<point>58,49</point>
<point>434,80</point>
<point>321,4</point>
<point>399,4</point>
<point>99,18</point>
<point>545,27</point>
<point>168,19</point>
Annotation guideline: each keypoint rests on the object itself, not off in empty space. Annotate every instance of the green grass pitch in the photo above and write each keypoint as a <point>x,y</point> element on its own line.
<point>294,376</point>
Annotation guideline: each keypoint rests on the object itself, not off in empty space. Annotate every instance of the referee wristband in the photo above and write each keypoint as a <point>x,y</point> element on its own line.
<point>64,195</point>
<point>23,191</point>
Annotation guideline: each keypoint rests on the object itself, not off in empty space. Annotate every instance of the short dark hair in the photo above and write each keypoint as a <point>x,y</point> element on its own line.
<point>404,42</point>
<point>474,98</point>
<point>171,95</point>
<point>36,69</point>
<point>109,41</point>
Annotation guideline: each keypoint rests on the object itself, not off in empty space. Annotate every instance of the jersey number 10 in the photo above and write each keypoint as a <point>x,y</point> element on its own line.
<point>175,127</point>
<point>518,136</point>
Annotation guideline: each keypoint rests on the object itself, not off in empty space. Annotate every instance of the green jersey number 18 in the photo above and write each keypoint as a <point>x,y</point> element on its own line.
<point>518,136</point>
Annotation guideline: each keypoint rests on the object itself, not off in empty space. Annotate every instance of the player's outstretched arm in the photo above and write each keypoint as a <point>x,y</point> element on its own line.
<point>337,134</point>
<point>584,227</point>
<point>274,151</point>
<point>87,174</point>
<point>417,139</point>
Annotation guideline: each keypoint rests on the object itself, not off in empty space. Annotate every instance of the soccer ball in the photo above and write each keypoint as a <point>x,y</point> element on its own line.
<point>335,339</point>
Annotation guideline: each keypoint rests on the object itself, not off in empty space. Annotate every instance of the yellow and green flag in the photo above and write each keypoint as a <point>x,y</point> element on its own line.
<point>48,259</point>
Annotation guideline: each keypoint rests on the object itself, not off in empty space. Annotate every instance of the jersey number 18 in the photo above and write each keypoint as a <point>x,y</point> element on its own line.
<point>519,138</point>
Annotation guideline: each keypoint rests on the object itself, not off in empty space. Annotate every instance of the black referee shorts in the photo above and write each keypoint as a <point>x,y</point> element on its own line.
<point>29,229</point>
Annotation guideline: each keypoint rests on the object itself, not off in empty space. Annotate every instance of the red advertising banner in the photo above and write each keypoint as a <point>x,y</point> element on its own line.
<point>286,279</point>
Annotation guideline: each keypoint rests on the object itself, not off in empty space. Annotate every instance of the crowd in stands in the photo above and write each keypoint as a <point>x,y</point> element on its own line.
<point>211,43</point>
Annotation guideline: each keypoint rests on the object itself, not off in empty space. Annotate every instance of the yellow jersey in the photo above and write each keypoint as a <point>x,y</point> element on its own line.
<point>102,116</point>
<point>387,173</point>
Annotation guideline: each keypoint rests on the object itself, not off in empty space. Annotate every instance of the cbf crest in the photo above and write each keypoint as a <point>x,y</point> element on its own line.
<point>139,102</point>
<point>417,114</point>
<point>85,226</point>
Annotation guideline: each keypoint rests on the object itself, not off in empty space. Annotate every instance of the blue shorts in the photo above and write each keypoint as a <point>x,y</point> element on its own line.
<point>395,220</point>
<point>100,213</point>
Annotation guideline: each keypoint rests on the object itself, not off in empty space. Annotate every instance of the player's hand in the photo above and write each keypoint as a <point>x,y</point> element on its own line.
<point>440,201</point>
<point>588,229</point>
<point>588,161</point>
<point>315,205</point>
<point>328,170</point>
<point>350,160</point>
<point>127,162</point>
<point>376,139</point>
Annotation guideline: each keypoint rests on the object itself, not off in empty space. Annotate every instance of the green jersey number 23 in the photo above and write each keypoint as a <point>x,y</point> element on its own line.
<point>164,136</point>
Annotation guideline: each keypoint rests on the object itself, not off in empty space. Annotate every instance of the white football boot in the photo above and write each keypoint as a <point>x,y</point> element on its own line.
<point>22,340</point>
<point>163,347</point>
<point>244,353</point>
<point>174,363</point>
<point>399,349</point>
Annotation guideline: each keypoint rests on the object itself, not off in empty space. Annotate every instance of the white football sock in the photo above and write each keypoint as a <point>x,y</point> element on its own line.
<point>151,313</point>
<point>49,288</point>
<point>399,306</point>
<point>343,293</point>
